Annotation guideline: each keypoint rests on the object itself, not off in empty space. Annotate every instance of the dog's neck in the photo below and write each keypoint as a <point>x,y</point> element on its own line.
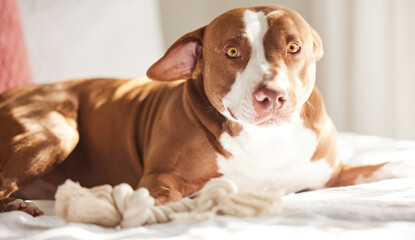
<point>199,108</point>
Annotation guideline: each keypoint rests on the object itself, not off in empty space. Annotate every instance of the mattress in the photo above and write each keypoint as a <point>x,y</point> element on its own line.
<point>380,210</point>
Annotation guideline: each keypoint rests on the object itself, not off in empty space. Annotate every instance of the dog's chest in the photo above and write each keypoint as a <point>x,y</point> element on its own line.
<point>265,159</point>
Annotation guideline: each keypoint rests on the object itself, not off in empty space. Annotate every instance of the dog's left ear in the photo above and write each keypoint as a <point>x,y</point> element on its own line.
<point>180,59</point>
<point>317,45</point>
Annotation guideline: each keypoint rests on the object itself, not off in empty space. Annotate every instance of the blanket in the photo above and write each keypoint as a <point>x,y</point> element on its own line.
<point>380,210</point>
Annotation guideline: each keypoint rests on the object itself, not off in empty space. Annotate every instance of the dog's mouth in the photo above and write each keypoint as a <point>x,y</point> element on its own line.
<point>265,120</point>
<point>270,121</point>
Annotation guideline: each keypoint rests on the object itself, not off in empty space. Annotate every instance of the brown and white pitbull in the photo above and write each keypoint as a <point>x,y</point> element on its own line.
<point>249,111</point>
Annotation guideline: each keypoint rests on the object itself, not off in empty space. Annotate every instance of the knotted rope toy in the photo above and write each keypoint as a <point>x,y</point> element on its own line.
<point>121,205</point>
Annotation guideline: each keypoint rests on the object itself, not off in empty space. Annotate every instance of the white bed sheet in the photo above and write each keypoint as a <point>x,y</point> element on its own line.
<point>381,210</point>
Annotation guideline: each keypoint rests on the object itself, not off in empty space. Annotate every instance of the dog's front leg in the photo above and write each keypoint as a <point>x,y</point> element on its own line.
<point>163,187</point>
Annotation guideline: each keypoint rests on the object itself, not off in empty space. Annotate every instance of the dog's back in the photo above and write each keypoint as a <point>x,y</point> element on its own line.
<point>111,109</point>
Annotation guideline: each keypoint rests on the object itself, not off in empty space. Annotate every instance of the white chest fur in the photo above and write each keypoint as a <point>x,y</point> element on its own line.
<point>273,158</point>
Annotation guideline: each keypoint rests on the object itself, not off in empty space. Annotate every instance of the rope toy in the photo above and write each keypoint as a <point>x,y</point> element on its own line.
<point>121,205</point>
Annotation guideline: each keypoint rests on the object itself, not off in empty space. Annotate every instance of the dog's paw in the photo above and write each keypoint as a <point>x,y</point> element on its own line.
<point>13,204</point>
<point>166,196</point>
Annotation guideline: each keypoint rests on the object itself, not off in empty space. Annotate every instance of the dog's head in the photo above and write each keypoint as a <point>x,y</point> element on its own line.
<point>258,64</point>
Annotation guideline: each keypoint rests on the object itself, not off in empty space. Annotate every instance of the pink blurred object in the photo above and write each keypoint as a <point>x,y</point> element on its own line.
<point>14,64</point>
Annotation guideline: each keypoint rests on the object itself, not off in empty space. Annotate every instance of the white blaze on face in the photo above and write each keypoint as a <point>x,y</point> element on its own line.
<point>239,99</point>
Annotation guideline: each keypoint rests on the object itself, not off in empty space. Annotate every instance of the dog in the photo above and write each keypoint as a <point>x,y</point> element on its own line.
<point>235,98</point>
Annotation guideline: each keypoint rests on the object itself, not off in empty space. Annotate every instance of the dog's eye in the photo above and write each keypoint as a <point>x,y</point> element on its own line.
<point>293,48</point>
<point>232,52</point>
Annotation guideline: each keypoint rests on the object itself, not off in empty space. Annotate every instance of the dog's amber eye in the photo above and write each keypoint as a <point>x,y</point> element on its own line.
<point>232,52</point>
<point>293,48</point>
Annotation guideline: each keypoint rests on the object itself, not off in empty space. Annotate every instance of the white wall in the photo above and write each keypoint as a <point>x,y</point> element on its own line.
<point>368,73</point>
<point>80,38</point>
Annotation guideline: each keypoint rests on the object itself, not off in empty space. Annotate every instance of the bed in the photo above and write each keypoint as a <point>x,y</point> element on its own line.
<point>380,210</point>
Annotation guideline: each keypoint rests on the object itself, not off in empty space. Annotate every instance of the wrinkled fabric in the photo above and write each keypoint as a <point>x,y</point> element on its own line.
<point>380,210</point>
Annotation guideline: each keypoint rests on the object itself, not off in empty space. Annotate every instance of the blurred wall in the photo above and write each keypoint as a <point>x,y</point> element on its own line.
<point>81,38</point>
<point>367,76</point>
<point>368,73</point>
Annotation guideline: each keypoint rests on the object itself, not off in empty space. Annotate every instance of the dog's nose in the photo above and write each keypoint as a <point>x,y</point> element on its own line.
<point>270,98</point>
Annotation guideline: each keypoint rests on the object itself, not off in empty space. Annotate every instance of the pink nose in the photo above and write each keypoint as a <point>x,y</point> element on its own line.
<point>267,99</point>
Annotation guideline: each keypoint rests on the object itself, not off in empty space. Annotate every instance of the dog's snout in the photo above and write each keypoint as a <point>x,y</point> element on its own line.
<point>267,98</point>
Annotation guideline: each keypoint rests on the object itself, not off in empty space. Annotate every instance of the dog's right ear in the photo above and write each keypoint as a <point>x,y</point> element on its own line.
<point>317,44</point>
<point>180,59</point>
